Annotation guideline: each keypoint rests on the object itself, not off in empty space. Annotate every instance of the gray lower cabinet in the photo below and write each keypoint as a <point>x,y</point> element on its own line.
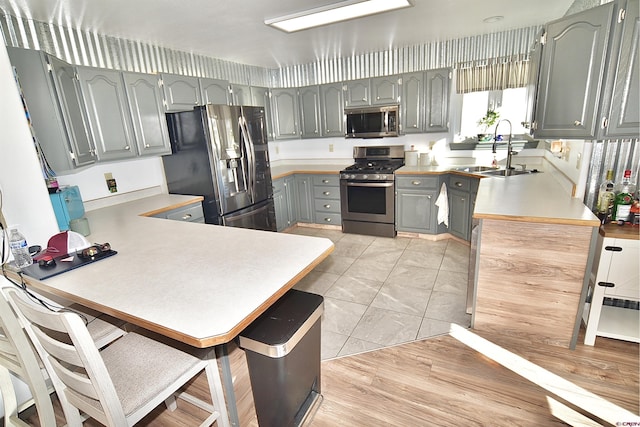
<point>572,73</point>
<point>461,192</point>
<point>309,101</point>
<point>107,112</point>
<point>415,203</point>
<point>63,137</point>
<point>181,93</point>
<point>284,104</point>
<point>284,199</point>
<point>326,199</point>
<point>332,110</point>
<point>304,198</point>
<point>147,113</point>
<point>189,213</point>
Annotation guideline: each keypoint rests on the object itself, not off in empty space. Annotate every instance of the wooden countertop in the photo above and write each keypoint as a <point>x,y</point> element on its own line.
<point>285,169</point>
<point>197,283</point>
<point>631,232</point>
<point>530,198</point>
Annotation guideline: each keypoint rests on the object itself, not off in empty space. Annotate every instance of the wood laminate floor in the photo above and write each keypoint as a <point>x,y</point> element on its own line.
<point>442,382</point>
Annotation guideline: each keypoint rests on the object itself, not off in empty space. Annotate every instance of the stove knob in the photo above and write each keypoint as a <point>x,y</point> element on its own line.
<point>384,177</point>
<point>376,177</point>
<point>365,176</point>
<point>352,176</point>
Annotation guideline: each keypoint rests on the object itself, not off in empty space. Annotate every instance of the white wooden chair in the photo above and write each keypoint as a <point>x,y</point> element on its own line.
<point>18,357</point>
<point>125,381</point>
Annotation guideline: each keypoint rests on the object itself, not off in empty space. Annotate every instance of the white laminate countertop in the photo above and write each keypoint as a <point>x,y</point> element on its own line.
<point>198,283</point>
<point>530,198</point>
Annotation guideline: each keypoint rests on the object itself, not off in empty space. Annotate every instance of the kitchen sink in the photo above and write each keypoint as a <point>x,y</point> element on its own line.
<point>509,172</point>
<point>474,168</point>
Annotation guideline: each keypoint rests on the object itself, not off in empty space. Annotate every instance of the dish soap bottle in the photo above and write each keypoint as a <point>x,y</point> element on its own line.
<point>19,248</point>
<point>494,163</point>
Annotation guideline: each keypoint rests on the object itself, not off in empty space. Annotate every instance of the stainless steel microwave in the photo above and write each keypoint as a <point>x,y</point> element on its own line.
<point>371,122</point>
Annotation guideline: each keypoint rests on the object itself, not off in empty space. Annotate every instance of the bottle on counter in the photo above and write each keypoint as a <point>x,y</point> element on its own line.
<point>19,248</point>
<point>624,198</point>
<point>606,196</point>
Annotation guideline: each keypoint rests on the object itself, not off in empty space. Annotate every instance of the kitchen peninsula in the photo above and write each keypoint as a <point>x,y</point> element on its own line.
<point>533,259</point>
<point>199,284</point>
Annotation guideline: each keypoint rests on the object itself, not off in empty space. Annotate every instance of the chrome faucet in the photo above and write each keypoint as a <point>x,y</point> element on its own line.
<point>510,152</point>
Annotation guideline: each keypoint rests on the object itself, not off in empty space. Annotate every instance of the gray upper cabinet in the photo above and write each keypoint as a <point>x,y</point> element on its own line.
<point>214,91</point>
<point>385,90</point>
<point>412,107</point>
<point>572,73</point>
<point>73,111</point>
<point>147,113</point>
<point>309,98</point>
<point>107,113</point>
<point>437,87</point>
<point>357,93</point>
<point>332,110</point>
<point>261,97</point>
<point>284,103</point>
<point>46,111</point>
<point>181,93</point>
<point>623,92</point>
<point>240,95</point>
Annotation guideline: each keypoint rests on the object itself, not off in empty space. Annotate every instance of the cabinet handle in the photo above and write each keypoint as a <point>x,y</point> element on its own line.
<point>577,123</point>
<point>462,199</point>
<point>415,125</point>
<point>377,97</point>
<point>186,217</point>
<point>326,193</point>
<point>147,145</point>
<point>327,219</point>
<point>416,182</point>
<point>613,248</point>
<point>126,147</point>
<point>364,99</point>
<point>429,196</point>
<point>325,181</point>
<point>607,284</point>
<point>327,206</point>
<point>458,184</point>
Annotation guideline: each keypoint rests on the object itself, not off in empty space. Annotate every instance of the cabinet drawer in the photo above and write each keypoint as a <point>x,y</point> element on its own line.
<point>416,182</point>
<point>327,206</point>
<point>192,213</point>
<point>459,183</point>
<point>328,218</point>
<point>325,192</point>
<point>333,180</point>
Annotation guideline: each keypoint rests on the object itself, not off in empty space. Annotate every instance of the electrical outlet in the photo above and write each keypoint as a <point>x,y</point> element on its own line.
<point>111,182</point>
<point>578,160</point>
<point>331,148</point>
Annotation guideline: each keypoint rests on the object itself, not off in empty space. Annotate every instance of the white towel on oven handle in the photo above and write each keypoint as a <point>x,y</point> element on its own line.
<point>442,202</point>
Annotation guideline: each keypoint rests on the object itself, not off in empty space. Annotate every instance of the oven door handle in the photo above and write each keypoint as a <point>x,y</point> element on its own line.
<point>370,184</point>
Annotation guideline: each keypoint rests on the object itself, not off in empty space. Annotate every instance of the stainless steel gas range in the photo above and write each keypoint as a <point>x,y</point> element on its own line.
<point>367,190</point>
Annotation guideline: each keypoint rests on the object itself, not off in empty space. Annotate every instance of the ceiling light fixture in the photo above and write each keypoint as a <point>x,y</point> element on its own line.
<point>492,19</point>
<point>334,13</point>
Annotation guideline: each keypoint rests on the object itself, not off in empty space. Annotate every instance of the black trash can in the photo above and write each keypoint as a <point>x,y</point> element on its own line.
<point>282,347</point>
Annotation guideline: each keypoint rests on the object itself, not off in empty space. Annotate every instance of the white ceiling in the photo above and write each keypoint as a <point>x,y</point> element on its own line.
<point>234,30</point>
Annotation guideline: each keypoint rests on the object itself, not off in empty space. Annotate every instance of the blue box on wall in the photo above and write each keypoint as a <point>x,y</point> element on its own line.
<point>67,205</point>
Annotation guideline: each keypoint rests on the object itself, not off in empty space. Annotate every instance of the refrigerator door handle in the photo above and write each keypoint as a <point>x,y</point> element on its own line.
<point>249,147</point>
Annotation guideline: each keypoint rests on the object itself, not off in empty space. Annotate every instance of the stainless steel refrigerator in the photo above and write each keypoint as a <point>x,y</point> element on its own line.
<point>220,152</point>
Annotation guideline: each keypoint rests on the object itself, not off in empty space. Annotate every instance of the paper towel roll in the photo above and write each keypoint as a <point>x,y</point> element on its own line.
<point>411,158</point>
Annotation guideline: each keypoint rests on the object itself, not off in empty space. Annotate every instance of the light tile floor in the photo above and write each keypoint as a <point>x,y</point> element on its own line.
<point>380,291</point>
